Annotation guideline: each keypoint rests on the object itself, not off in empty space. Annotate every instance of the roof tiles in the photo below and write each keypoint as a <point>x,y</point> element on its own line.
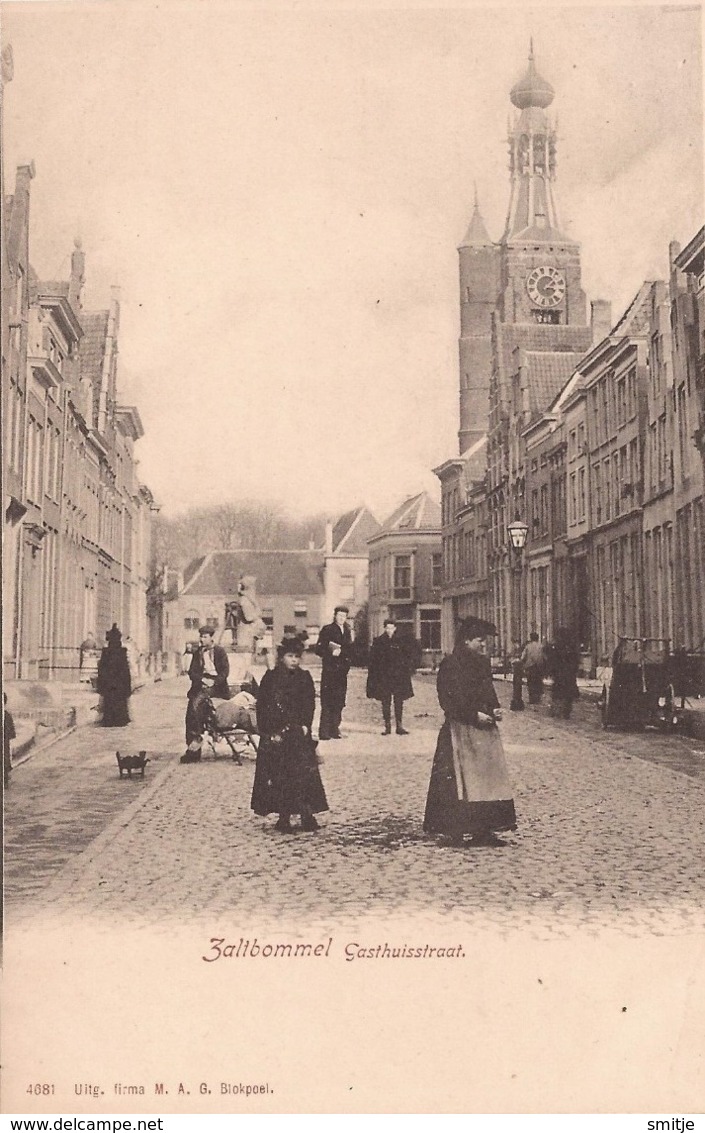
<point>275,572</point>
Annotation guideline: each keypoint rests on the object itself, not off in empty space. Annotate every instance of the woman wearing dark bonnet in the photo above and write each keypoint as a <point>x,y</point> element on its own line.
<point>113,681</point>
<point>287,779</point>
<point>469,792</point>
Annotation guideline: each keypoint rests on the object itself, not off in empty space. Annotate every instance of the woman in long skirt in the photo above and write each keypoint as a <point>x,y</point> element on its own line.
<point>469,792</point>
<point>113,681</point>
<point>287,779</point>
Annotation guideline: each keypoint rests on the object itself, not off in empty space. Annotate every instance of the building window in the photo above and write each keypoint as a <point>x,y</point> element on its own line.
<point>436,571</point>
<point>631,393</point>
<point>404,618</point>
<point>543,510</point>
<point>607,480</point>
<point>300,609</point>
<point>622,401</point>
<point>191,621</point>
<point>347,588</point>
<point>402,576</point>
<point>430,629</point>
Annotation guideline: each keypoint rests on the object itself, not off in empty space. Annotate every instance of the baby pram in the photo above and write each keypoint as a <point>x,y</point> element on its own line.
<point>234,722</point>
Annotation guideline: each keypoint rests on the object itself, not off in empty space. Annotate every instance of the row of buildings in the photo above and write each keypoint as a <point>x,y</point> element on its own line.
<point>76,530</point>
<point>587,435</point>
<point>376,570</point>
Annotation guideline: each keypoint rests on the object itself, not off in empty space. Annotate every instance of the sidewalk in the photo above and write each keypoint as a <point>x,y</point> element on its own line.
<point>45,712</point>
<point>591,690</point>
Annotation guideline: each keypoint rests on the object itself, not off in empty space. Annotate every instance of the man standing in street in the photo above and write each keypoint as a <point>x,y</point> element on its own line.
<point>389,676</point>
<point>533,660</point>
<point>334,645</point>
<point>209,677</point>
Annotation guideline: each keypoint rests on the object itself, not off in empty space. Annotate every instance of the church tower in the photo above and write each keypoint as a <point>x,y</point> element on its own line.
<point>540,266</point>
<point>479,296</point>
<point>530,280</point>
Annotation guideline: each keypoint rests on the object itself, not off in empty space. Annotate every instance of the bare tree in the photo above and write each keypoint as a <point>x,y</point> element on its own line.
<point>253,525</point>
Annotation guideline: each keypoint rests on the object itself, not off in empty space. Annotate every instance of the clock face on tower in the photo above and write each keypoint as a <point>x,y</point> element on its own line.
<point>546,287</point>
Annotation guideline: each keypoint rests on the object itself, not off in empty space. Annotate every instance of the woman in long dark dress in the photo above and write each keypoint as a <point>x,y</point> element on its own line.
<point>563,665</point>
<point>287,779</point>
<point>469,792</point>
<point>113,681</point>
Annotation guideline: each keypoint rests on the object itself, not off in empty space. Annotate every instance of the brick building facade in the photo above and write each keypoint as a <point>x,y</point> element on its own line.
<point>76,546</point>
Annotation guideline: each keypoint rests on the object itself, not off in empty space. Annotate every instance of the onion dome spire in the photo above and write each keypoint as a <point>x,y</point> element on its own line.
<point>532,89</point>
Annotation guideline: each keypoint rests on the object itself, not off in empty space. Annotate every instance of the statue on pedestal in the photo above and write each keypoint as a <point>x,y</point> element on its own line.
<point>243,619</point>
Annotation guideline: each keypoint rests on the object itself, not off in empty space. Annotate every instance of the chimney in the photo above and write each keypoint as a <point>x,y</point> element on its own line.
<point>329,538</point>
<point>78,274</point>
<point>600,319</point>
<point>25,173</point>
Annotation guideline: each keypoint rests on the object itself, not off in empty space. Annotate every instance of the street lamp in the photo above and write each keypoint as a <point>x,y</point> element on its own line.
<point>517,531</point>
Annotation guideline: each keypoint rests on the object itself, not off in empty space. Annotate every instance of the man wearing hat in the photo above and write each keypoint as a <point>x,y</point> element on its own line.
<point>208,671</point>
<point>333,647</point>
<point>469,792</point>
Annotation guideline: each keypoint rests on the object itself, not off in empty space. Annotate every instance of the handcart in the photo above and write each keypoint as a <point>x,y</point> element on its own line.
<point>640,693</point>
<point>233,721</point>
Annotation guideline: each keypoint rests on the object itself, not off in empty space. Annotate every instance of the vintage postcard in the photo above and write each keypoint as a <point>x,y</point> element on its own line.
<point>353,557</point>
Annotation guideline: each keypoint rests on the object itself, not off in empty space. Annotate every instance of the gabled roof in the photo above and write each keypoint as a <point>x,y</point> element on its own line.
<point>548,373</point>
<point>92,350</point>
<point>275,572</point>
<point>634,323</point>
<point>352,531</point>
<point>533,337</point>
<point>418,513</point>
<point>192,568</point>
<point>636,319</point>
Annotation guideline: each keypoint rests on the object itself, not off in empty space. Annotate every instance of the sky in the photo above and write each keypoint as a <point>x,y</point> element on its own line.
<point>279,192</point>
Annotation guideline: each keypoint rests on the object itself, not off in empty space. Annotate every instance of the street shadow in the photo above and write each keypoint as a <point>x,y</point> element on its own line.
<point>383,832</point>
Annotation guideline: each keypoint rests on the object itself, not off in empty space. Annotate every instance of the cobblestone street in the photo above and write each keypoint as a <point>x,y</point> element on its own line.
<point>609,834</point>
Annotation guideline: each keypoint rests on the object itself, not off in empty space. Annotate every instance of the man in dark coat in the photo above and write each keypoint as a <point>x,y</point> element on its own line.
<point>334,646</point>
<point>208,671</point>
<point>563,665</point>
<point>389,675</point>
